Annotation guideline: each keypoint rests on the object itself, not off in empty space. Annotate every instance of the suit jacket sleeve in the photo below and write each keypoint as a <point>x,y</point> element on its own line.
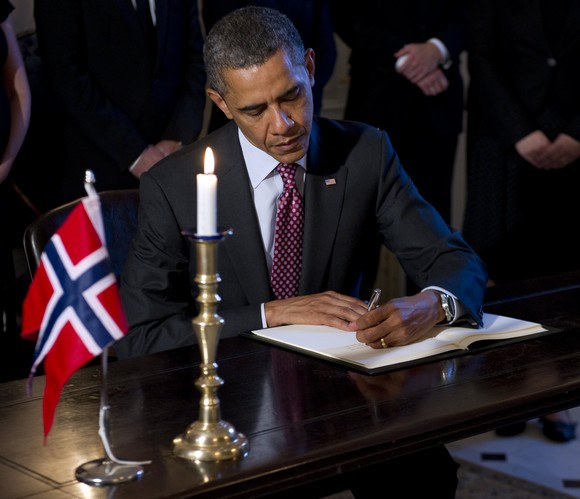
<point>156,284</point>
<point>372,197</point>
<point>430,252</point>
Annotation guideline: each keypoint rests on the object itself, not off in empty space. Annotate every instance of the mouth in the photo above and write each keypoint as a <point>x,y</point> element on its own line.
<point>289,145</point>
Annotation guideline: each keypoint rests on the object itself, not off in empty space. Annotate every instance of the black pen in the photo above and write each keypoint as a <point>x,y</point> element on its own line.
<point>374,299</point>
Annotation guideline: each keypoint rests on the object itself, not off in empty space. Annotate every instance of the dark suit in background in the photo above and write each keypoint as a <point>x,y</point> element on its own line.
<point>371,201</point>
<point>525,78</point>
<point>524,147</point>
<point>313,21</point>
<point>424,129</point>
<point>117,99</point>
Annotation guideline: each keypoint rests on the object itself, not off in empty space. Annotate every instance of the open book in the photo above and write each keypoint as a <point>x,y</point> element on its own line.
<point>343,347</point>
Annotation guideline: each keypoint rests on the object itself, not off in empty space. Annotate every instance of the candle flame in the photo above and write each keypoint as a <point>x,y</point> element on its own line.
<point>208,163</point>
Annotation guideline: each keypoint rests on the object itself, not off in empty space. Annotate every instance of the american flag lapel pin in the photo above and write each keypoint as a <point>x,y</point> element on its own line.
<point>330,181</point>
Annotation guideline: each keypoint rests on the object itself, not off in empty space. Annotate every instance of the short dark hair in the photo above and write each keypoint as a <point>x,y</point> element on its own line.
<point>247,37</point>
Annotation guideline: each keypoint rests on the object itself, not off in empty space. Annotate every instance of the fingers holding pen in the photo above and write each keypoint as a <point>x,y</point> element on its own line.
<point>374,326</point>
<point>399,321</point>
<point>383,327</point>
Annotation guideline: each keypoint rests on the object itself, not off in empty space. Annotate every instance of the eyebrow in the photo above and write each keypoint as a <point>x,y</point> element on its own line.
<point>253,107</point>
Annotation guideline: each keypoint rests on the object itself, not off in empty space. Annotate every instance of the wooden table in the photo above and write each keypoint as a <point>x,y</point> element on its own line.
<point>304,418</point>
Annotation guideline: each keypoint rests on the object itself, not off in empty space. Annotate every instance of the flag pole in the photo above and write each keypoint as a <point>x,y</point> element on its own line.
<point>108,470</point>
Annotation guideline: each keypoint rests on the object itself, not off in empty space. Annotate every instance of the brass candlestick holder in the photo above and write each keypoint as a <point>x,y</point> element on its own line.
<point>209,438</point>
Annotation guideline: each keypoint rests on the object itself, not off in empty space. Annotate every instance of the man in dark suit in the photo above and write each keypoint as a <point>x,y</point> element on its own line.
<point>405,79</point>
<point>130,95</point>
<point>355,196</point>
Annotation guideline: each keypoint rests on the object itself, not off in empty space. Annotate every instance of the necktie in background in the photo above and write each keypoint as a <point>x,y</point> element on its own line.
<point>144,14</point>
<point>288,235</point>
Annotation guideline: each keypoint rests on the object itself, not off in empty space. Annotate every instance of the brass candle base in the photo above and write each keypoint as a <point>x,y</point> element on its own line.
<point>209,438</point>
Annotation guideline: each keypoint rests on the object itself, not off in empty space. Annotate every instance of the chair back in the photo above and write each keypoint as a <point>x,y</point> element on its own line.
<point>119,209</point>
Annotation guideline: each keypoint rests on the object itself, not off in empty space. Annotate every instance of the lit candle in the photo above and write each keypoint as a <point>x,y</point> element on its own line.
<point>207,197</point>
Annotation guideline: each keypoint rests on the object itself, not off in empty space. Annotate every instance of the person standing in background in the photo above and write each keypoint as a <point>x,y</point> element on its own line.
<point>405,79</point>
<point>524,135</point>
<point>15,109</point>
<point>131,80</point>
<point>313,20</point>
<point>524,145</point>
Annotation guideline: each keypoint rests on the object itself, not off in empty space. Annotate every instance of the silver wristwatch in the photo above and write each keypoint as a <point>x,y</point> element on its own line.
<point>448,306</point>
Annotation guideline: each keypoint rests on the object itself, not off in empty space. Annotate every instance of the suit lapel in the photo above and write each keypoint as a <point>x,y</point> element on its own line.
<point>237,211</point>
<point>324,193</point>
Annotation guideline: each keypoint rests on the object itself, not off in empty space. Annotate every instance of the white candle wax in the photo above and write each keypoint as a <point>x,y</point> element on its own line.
<point>207,197</point>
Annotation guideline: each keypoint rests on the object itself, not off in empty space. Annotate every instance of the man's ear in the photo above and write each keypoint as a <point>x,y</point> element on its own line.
<point>219,102</point>
<point>309,57</point>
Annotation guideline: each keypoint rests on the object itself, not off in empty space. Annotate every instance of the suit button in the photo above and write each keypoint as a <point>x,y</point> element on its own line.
<point>551,61</point>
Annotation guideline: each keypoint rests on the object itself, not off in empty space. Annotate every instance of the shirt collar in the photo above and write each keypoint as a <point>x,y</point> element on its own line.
<point>259,164</point>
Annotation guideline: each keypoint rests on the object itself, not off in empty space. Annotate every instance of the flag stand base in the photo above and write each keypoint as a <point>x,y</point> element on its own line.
<point>101,472</point>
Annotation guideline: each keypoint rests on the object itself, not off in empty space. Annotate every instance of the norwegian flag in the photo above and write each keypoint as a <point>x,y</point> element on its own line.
<point>72,307</point>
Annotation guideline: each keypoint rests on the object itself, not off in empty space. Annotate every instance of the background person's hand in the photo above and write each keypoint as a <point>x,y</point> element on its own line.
<point>167,147</point>
<point>560,153</point>
<point>532,147</point>
<point>149,157</point>
<point>434,83</point>
<point>421,59</point>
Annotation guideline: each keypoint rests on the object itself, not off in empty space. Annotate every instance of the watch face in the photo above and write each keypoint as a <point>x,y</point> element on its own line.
<point>447,306</point>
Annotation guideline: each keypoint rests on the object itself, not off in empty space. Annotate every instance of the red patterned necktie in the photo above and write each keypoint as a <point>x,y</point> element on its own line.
<point>287,259</point>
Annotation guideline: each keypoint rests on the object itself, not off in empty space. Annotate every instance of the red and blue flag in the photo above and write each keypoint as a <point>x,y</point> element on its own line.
<point>72,309</point>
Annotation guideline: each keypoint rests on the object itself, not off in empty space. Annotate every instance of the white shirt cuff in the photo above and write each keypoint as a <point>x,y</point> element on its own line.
<point>263,313</point>
<point>458,307</point>
<point>445,60</point>
<point>135,162</point>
